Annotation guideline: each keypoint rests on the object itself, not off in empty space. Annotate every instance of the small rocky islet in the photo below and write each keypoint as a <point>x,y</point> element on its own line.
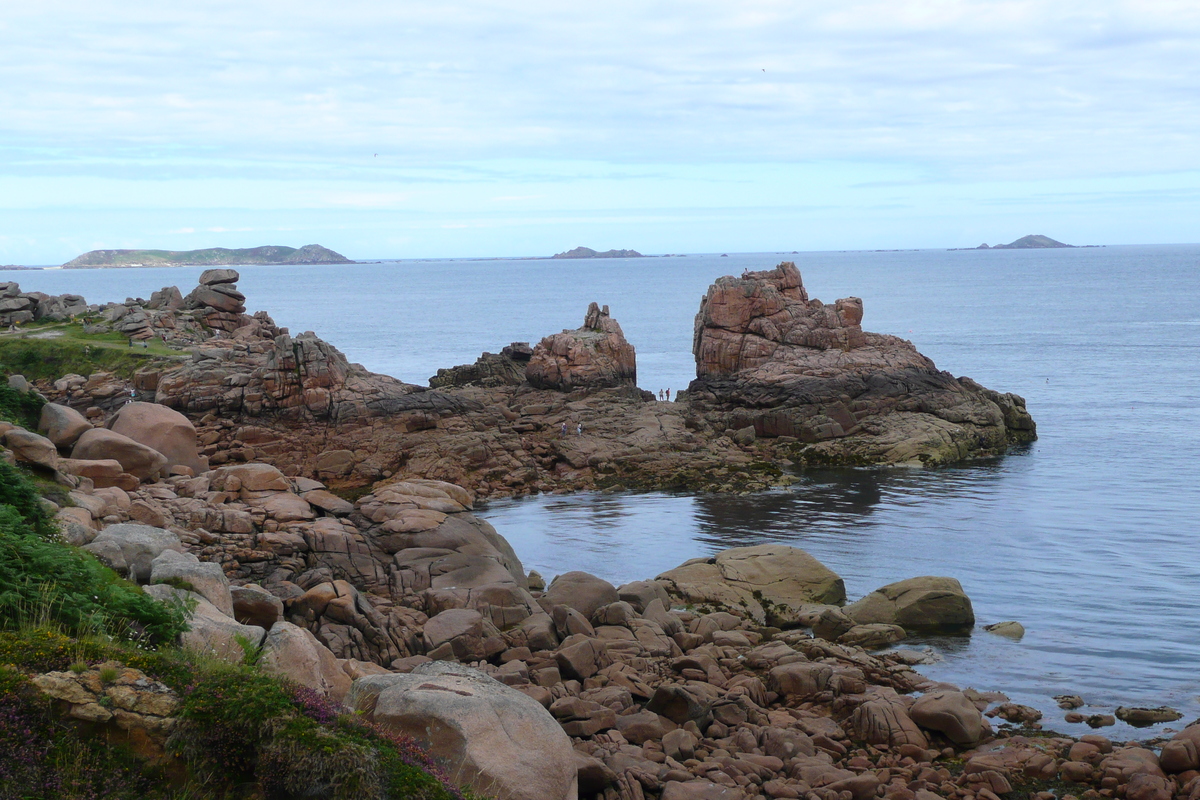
<point>322,515</point>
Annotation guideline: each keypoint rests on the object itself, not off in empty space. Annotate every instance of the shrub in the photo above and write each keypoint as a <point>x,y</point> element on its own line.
<point>20,408</point>
<point>226,716</point>
<point>17,491</point>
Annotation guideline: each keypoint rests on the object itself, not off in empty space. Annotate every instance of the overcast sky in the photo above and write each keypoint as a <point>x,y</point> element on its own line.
<point>452,128</point>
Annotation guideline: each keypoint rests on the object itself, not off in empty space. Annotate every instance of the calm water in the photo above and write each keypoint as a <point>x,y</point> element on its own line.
<point>1087,537</point>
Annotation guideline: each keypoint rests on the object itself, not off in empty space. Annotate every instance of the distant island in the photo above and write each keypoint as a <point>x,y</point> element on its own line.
<point>1030,242</point>
<point>212,257</point>
<point>587,252</point>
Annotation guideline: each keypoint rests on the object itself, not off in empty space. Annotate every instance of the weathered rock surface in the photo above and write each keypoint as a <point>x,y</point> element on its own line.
<point>495,738</point>
<point>593,356</point>
<point>136,546</point>
<point>951,713</point>
<point>135,458</point>
<point>769,357</point>
<point>294,653</point>
<point>30,448</point>
<point>771,581</point>
<point>926,603</point>
<point>162,429</point>
<point>62,425</point>
<point>507,368</point>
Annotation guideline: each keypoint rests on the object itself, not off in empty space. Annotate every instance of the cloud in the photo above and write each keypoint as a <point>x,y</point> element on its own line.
<point>968,84</point>
<point>624,107</point>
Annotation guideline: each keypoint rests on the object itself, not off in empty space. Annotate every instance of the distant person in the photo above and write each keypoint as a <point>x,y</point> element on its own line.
<point>668,395</point>
<point>564,428</point>
<point>579,429</point>
<point>660,394</point>
<point>131,341</point>
<point>145,345</point>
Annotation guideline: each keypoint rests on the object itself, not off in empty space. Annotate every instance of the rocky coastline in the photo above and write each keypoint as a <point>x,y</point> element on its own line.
<point>228,482</point>
<point>782,381</point>
<point>745,675</point>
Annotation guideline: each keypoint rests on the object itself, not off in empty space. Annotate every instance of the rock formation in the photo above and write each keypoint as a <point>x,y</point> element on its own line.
<point>769,358</point>
<point>781,378</point>
<point>489,370</point>
<point>593,356</point>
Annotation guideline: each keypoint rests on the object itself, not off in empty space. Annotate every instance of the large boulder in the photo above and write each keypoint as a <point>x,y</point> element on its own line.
<point>104,473</point>
<point>209,631</point>
<point>186,571</point>
<point>496,740</point>
<point>292,652</point>
<point>926,603</point>
<point>29,448</point>
<point>135,458</point>
<point>463,633</point>
<point>953,714</point>
<point>163,429</point>
<point>771,581</point>
<point>1182,753</point>
<point>62,425</point>
<point>214,277</point>
<point>137,546</point>
<point>252,478</point>
<point>254,605</point>
<point>594,356</point>
<point>583,592</point>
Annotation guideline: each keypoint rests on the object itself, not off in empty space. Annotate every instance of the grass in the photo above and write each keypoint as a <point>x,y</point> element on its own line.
<point>74,351</point>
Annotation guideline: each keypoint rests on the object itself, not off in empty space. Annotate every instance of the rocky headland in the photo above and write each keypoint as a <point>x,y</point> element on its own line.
<point>782,380</point>
<point>210,257</point>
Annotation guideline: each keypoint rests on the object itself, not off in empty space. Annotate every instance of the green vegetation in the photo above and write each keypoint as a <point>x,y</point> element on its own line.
<point>41,577</point>
<point>212,256</point>
<point>239,733</point>
<point>71,350</point>
<point>20,408</point>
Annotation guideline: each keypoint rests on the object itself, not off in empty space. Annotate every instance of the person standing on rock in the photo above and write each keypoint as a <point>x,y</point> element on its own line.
<point>564,429</point>
<point>579,429</point>
<point>668,395</point>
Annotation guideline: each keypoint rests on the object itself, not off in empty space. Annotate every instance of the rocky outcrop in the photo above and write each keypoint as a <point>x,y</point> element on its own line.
<point>593,356</point>
<point>782,378</point>
<point>130,708</point>
<point>489,370</point>
<point>656,699</point>
<point>264,372</point>
<point>771,358</point>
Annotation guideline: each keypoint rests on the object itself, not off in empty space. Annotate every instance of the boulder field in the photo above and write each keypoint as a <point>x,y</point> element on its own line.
<point>740,675</point>
<point>782,380</point>
<point>745,674</point>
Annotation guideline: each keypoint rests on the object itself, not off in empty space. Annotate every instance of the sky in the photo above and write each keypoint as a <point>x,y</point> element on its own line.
<point>474,129</point>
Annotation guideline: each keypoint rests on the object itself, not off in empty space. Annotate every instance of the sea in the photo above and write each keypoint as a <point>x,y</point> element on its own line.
<point>1090,536</point>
